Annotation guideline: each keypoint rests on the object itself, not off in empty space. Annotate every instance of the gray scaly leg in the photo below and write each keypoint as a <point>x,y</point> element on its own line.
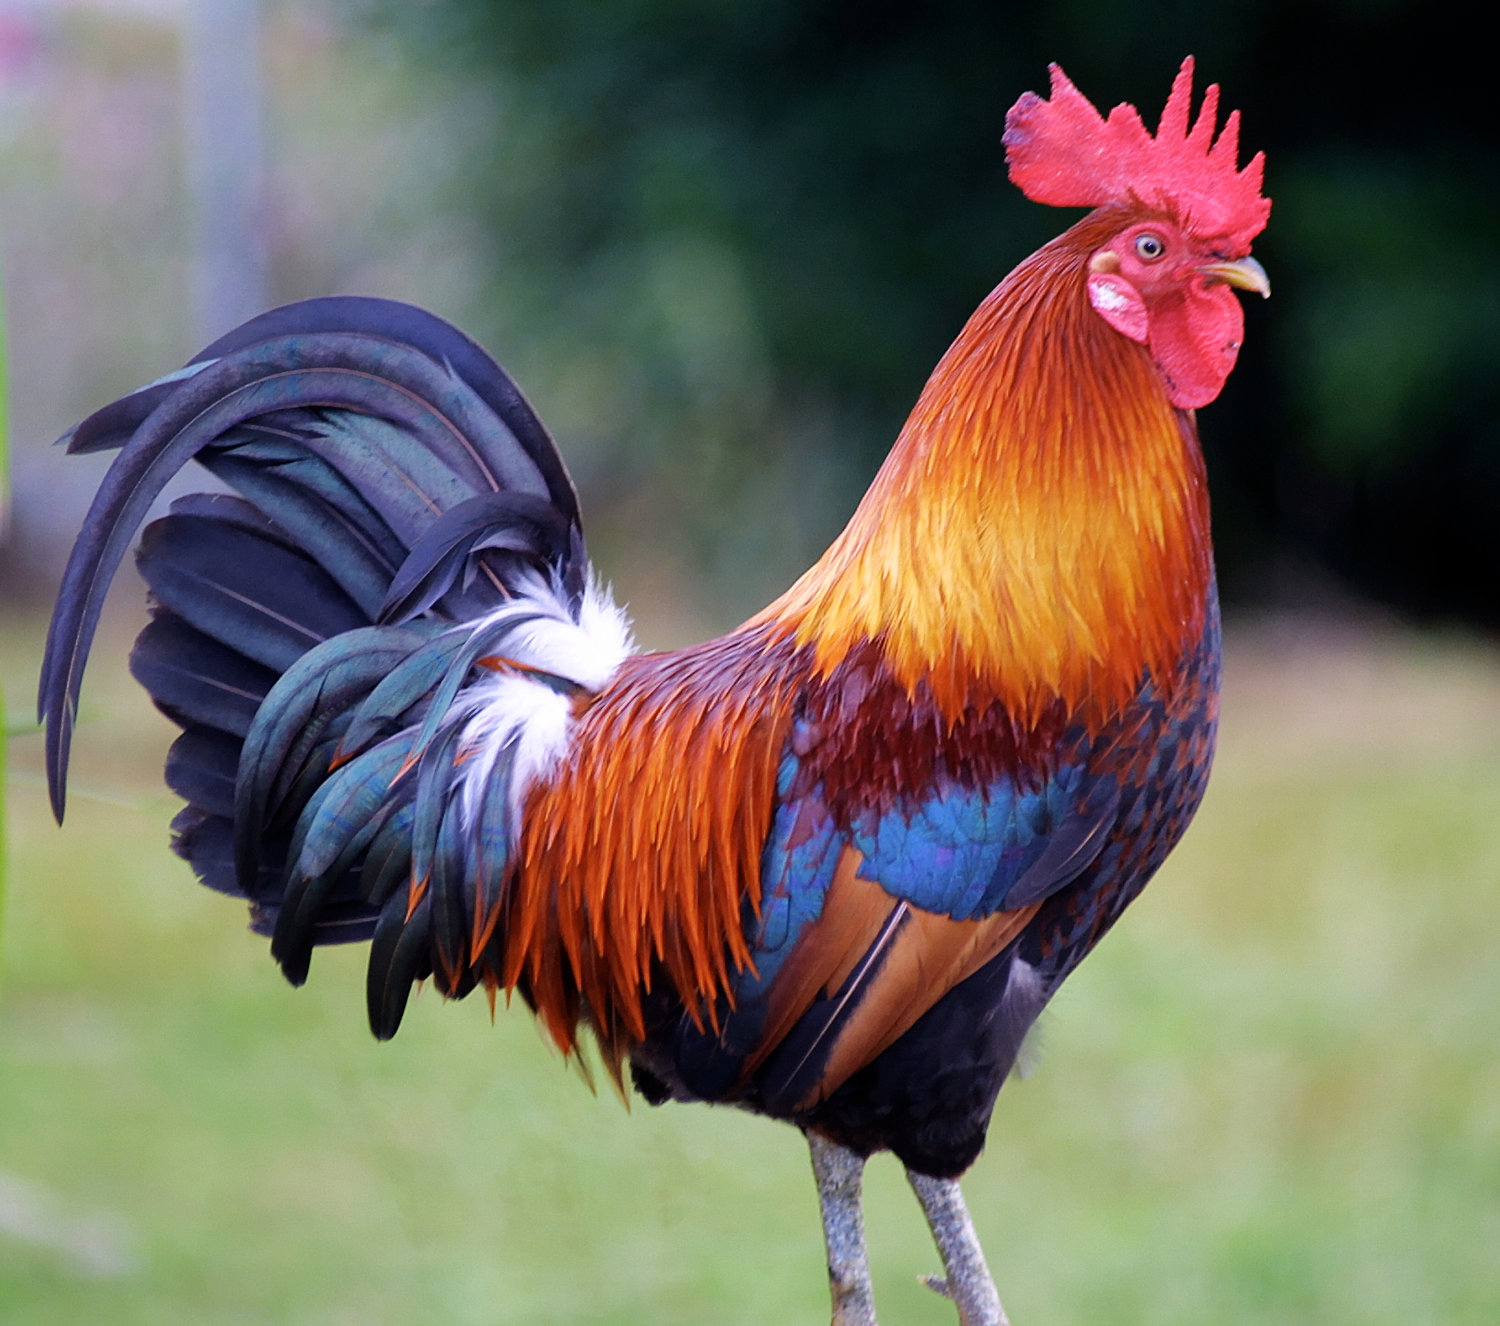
<point>839,1173</point>
<point>967,1281</point>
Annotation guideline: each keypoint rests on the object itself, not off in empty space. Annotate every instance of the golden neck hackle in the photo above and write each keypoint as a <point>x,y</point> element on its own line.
<point>1040,529</point>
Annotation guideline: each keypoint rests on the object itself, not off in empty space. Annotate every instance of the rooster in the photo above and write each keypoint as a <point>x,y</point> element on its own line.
<point>828,867</point>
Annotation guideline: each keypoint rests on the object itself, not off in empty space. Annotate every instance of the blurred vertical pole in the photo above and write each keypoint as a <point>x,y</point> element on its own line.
<point>4,526</point>
<point>221,75</point>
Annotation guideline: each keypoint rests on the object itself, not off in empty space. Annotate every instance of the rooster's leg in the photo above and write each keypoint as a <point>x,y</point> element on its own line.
<point>839,1173</point>
<point>967,1281</point>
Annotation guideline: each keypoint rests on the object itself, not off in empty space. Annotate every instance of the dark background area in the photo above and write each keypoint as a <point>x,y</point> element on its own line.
<point>834,173</point>
<point>720,244</point>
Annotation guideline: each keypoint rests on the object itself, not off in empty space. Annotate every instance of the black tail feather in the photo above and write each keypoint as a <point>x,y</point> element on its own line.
<point>195,680</point>
<point>339,530</point>
<point>201,769</point>
<point>413,432</point>
<point>244,589</point>
<point>531,530</point>
<point>386,470</point>
<point>402,325</point>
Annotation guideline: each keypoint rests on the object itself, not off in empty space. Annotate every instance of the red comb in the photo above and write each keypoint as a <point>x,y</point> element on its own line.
<point>1064,153</point>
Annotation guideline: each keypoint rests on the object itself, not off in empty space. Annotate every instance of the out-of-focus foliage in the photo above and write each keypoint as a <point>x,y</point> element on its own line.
<point>722,242</point>
<point>729,239</point>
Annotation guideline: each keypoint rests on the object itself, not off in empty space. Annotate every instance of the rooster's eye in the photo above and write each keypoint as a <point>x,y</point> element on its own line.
<point>1149,247</point>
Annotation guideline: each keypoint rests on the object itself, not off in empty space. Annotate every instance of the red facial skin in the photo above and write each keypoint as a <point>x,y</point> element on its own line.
<point>1148,283</point>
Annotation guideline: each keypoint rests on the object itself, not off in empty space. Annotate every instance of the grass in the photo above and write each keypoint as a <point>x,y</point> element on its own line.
<point>1273,1095</point>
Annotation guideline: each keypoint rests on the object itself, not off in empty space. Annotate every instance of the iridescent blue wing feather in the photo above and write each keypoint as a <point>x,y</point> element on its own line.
<point>846,900</point>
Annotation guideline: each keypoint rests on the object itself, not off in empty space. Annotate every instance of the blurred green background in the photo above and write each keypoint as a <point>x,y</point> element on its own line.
<point>720,245</point>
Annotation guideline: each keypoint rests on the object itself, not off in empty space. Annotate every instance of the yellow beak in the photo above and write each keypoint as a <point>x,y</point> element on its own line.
<point>1242,273</point>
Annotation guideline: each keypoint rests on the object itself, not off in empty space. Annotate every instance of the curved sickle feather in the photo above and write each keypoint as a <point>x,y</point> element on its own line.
<point>386,319</point>
<point>512,522</point>
<point>337,371</point>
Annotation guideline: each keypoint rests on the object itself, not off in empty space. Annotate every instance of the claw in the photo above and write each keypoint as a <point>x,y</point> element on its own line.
<point>938,1284</point>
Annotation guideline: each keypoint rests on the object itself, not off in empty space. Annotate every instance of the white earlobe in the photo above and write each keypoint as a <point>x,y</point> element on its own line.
<point>1116,301</point>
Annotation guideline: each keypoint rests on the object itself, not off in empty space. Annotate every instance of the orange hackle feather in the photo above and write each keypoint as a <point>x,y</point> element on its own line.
<point>1040,530</point>
<point>678,757</point>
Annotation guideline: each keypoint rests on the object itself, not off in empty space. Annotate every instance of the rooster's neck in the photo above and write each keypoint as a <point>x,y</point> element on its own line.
<point>1040,529</point>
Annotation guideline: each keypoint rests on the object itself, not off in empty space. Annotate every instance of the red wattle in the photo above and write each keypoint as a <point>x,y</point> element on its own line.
<point>1195,340</point>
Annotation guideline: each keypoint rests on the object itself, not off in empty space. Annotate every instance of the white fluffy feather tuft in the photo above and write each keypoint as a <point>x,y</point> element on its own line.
<point>514,710</point>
